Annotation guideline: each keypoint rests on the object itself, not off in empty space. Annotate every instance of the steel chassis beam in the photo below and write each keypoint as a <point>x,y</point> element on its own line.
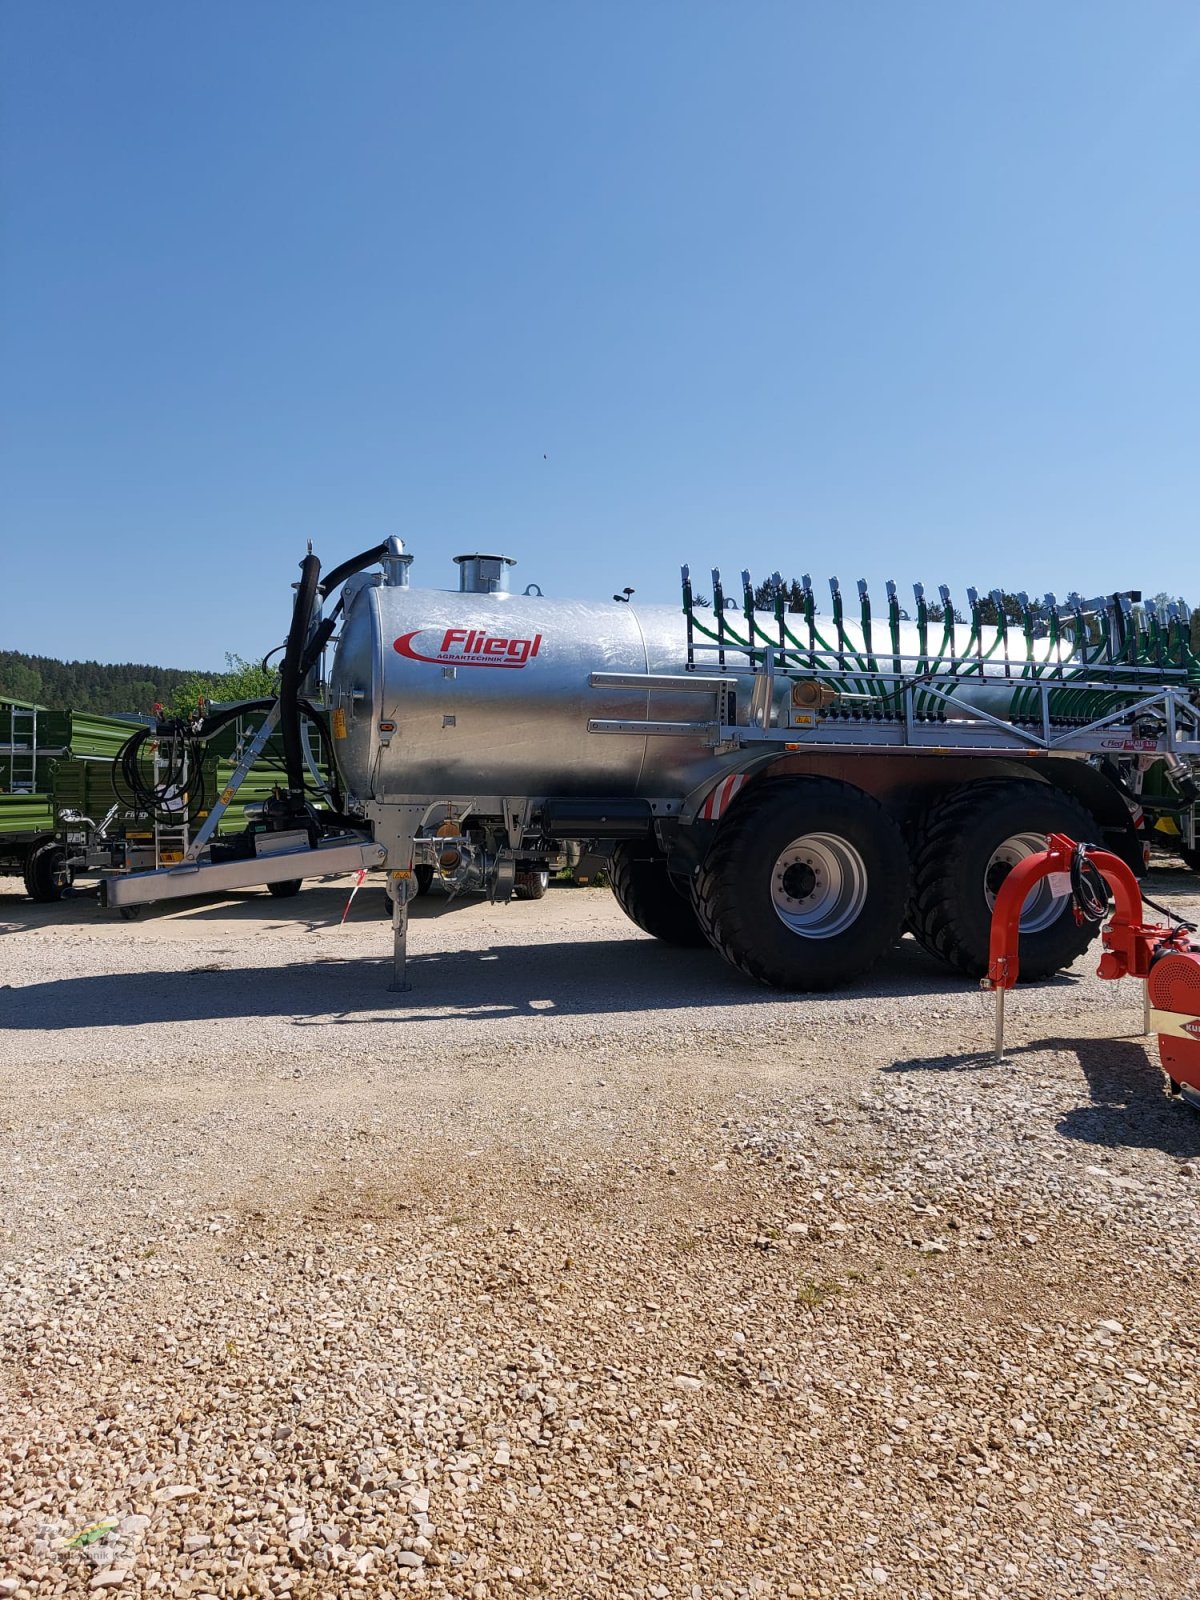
<point>346,854</point>
<point>969,728</point>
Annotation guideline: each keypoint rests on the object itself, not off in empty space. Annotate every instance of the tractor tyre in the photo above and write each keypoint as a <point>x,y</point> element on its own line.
<point>805,884</point>
<point>1191,858</point>
<point>967,843</point>
<point>532,883</point>
<point>286,889</point>
<point>44,870</point>
<point>647,894</point>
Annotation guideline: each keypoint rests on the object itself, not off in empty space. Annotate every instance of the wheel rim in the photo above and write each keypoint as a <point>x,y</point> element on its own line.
<point>1043,905</point>
<point>818,885</point>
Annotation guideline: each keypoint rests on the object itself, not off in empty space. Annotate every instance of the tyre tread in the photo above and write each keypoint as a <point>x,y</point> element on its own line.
<point>38,885</point>
<point>672,920</point>
<point>933,917</point>
<point>724,932</point>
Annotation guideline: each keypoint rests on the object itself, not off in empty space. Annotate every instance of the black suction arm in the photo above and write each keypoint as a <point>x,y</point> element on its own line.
<point>291,676</point>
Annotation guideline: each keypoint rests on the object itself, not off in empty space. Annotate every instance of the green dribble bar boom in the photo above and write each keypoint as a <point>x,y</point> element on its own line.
<point>1090,655</point>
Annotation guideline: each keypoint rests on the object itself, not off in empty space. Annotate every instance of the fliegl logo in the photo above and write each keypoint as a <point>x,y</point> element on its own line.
<point>466,647</point>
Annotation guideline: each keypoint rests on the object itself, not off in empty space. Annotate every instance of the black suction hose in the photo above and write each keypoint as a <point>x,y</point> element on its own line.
<point>291,676</point>
<point>298,660</point>
<point>368,558</point>
<point>319,640</point>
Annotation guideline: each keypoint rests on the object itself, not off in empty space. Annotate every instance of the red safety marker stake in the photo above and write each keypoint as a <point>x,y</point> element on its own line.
<point>358,878</point>
<point>998,989</point>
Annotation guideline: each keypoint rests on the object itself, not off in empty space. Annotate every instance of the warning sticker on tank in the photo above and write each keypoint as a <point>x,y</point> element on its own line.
<point>466,647</point>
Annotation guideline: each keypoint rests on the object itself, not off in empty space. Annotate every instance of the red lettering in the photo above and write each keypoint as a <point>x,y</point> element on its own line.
<point>473,647</point>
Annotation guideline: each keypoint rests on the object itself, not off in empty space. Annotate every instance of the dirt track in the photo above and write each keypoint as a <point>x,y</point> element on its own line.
<point>584,1269</point>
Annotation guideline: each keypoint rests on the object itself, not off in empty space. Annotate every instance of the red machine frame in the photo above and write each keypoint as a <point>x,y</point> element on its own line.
<point>1132,948</point>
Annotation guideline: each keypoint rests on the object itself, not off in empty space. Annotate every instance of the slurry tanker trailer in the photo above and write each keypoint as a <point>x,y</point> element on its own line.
<point>791,786</point>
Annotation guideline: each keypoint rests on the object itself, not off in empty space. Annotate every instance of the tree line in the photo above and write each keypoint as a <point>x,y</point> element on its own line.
<point>126,686</point>
<point>1014,611</point>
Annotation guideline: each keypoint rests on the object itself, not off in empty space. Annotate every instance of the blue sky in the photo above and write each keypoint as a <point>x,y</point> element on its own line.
<point>860,288</point>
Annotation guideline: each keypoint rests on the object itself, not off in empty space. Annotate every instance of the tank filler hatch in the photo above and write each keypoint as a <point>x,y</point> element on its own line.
<point>480,574</point>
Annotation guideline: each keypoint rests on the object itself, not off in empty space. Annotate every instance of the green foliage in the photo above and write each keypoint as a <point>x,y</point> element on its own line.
<point>764,600</point>
<point>22,681</point>
<point>1012,608</point>
<point>128,686</point>
<point>937,611</point>
<point>241,680</point>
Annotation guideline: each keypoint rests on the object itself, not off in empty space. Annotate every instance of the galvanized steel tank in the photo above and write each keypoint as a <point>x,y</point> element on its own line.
<point>456,695</point>
<point>489,695</point>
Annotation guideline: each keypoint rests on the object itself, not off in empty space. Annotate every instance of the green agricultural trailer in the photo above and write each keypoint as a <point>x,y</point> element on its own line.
<point>57,802</point>
<point>64,814</point>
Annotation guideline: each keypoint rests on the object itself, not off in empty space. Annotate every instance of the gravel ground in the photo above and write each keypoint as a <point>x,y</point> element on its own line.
<point>585,1269</point>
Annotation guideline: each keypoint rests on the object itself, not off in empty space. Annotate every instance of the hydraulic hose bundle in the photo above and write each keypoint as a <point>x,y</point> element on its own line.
<point>1093,898</point>
<point>1089,889</point>
<point>159,773</point>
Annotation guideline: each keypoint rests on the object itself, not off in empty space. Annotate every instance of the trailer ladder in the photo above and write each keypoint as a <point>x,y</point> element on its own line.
<point>172,833</point>
<point>22,749</point>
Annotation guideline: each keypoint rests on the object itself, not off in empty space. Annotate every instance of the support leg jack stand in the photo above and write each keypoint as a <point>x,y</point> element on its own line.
<point>401,889</point>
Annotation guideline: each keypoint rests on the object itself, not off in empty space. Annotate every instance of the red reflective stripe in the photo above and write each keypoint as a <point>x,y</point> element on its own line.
<point>720,796</point>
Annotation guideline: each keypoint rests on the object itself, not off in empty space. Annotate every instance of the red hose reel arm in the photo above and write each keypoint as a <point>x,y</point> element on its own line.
<point>1131,948</point>
<point>1128,942</point>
